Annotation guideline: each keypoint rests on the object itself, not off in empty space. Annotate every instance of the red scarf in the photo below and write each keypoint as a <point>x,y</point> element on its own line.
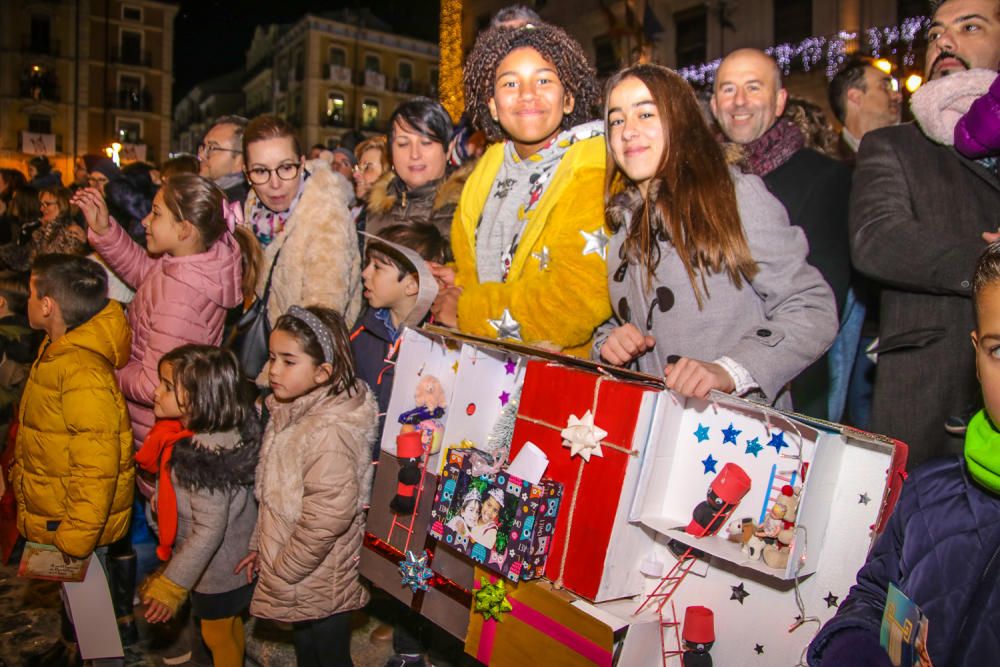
<point>154,457</point>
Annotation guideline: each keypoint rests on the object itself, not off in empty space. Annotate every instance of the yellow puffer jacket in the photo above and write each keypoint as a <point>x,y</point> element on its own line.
<point>560,301</point>
<point>73,472</point>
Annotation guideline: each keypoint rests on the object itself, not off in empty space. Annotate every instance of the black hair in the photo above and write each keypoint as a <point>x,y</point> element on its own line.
<point>343,377</point>
<point>217,398</point>
<point>554,44</point>
<point>850,76</point>
<point>423,238</point>
<point>425,116</point>
<point>14,289</point>
<point>77,284</point>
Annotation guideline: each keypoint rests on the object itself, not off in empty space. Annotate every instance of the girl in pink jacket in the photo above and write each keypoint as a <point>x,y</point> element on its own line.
<point>185,279</point>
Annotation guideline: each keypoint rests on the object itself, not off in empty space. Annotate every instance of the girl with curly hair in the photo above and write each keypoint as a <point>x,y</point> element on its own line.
<point>529,235</point>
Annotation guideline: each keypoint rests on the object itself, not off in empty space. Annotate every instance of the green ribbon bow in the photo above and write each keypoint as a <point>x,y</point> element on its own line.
<point>491,600</point>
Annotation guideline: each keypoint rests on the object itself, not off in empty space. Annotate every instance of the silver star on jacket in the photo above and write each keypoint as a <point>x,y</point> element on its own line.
<point>597,242</point>
<point>507,326</point>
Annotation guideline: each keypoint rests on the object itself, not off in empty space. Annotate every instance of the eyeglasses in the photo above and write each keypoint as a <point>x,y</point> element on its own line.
<point>92,180</point>
<point>46,204</point>
<point>286,172</point>
<point>208,149</point>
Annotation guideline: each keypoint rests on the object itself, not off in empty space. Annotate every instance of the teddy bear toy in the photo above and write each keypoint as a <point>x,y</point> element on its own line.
<point>776,554</point>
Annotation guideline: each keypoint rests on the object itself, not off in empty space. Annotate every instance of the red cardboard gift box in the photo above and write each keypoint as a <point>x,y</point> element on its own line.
<point>597,493</point>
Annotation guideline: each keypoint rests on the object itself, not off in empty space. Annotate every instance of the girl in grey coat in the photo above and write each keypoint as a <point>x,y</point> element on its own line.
<point>708,281</point>
<point>206,465</point>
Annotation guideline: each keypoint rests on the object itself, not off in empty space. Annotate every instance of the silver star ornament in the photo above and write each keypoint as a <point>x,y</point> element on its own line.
<point>597,242</point>
<point>543,258</point>
<point>583,437</point>
<point>507,326</point>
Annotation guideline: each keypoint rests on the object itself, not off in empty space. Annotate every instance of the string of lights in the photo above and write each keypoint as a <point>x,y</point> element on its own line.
<point>450,70</point>
<point>830,51</point>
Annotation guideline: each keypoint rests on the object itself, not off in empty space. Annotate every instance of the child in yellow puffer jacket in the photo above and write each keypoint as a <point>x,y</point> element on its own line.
<point>73,475</point>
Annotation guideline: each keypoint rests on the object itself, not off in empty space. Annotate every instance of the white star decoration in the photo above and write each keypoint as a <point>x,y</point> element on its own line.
<point>597,242</point>
<point>507,326</point>
<point>583,437</point>
<point>543,258</point>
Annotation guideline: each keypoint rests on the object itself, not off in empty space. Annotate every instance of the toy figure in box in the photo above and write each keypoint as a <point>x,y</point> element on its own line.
<point>485,531</point>
<point>464,522</point>
<point>775,521</point>
<point>698,636</point>
<point>725,492</point>
<point>421,431</point>
<point>776,553</point>
<point>426,417</point>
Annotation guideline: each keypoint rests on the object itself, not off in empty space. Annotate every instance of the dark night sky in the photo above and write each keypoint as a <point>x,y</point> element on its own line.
<point>212,36</point>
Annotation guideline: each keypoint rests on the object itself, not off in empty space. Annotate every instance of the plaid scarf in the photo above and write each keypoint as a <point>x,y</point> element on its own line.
<point>774,147</point>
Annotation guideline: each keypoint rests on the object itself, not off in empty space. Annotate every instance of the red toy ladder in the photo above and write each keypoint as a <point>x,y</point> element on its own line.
<point>408,527</point>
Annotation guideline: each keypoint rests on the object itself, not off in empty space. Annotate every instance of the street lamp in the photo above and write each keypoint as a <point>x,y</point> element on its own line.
<point>113,151</point>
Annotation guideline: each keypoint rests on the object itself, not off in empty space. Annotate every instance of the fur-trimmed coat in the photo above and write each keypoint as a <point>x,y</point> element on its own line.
<point>391,203</point>
<point>313,483</point>
<point>560,302</point>
<point>319,263</point>
<point>213,476</point>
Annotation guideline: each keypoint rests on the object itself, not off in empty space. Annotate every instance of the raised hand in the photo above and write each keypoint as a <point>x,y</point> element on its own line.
<point>94,209</point>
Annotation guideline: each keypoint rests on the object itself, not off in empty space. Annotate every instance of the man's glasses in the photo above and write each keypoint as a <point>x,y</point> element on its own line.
<point>208,149</point>
<point>286,172</point>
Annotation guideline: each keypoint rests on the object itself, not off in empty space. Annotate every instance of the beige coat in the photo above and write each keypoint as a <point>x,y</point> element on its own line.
<point>313,482</point>
<point>319,262</point>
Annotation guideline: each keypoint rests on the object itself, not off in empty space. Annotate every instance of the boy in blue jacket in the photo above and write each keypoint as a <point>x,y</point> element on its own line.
<point>941,546</point>
<point>392,288</point>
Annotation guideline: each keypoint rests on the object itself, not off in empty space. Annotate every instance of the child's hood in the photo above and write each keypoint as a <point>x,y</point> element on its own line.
<point>107,334</point>
<point>216,273</point>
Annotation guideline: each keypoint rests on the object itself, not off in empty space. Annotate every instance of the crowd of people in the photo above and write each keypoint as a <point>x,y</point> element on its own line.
<point>217,335</point>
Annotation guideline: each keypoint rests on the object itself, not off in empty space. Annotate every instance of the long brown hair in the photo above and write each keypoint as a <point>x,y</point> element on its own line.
<point>692,195</point>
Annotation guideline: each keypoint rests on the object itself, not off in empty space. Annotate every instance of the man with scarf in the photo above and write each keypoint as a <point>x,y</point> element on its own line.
<point>748,101</point>
<point>920,217</point>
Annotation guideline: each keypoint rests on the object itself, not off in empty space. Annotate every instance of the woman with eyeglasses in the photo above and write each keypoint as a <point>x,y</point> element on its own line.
<point>708,281</point>
<point>298,211</point>
<point>418,189</point>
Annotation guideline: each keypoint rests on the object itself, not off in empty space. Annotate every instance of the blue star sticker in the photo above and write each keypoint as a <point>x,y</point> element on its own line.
<point>729,434</point>
<point>754,446</point>
<point>701,432</point>
<point>777,441</point>
<point>709,464</point>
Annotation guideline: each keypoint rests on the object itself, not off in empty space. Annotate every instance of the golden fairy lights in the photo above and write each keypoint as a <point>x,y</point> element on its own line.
<point>450,72</point>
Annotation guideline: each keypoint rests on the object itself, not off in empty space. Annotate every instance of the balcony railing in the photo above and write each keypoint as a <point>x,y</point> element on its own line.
<point>40,89</point>
<point>142,58</point>
<point>341,120</point>
<point>131,99</point>
<point>345,76</point>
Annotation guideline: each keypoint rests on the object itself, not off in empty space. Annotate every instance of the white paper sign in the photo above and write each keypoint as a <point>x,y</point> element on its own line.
<point>93,616</point>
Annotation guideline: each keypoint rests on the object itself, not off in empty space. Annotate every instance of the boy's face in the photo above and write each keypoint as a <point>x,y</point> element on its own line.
<point>38,309</point>
<point>986,340</point>
<point>383,286</point>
